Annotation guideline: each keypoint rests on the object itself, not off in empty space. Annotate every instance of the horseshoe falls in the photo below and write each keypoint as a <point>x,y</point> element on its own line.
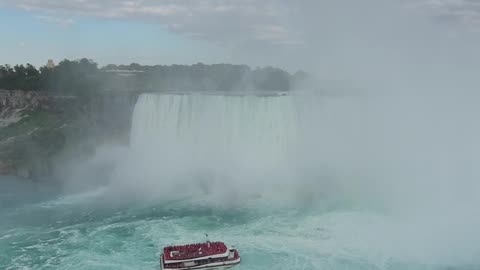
<point>294,181</point>
<point>256,129</point>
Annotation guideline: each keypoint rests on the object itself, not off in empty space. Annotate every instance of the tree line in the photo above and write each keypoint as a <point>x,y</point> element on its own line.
<point>84,77</point>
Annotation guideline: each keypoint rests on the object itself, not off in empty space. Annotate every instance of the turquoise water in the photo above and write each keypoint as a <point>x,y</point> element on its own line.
<point>329,184</point>
<point>41,228</point>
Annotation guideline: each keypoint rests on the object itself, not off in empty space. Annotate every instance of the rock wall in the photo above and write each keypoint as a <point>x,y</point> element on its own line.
<point>36,128</point>
<point>17,99</point>
<point>14,104</point>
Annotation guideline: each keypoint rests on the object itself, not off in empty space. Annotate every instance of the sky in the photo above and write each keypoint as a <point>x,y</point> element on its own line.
<point>307,34</point>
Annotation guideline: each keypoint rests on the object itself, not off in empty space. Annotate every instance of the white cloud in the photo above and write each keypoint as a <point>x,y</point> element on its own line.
<point>218,21</point>
<point>227,21</point>
<point>462,12</point>
<point>63,22</point>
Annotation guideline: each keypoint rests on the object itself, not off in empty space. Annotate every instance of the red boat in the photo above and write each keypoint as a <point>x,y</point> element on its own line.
<point>209,255</point>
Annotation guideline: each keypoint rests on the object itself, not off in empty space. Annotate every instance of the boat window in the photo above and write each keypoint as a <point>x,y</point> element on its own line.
<point>188,264</point>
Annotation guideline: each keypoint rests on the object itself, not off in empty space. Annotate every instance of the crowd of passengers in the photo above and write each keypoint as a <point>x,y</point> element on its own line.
<point>195,250</point>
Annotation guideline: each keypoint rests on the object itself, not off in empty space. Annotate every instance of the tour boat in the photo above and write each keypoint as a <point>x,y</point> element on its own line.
<point>209,255</point>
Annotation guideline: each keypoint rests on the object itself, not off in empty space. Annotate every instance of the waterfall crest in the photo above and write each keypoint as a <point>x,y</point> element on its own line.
<point>255,131</point>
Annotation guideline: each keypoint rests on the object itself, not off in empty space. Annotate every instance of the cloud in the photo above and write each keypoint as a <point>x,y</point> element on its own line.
<point>461,12</point>
<point>63,22</point>
<point>218,21</point>
<point>250,23</point>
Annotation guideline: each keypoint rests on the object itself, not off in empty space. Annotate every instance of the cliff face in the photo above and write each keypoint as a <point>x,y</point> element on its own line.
<point>14,104</point>
<point>36,128</point>
<point>21,99</point>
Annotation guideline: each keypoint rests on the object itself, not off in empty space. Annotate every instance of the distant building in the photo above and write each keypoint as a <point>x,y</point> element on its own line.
<point>50,63</point>
<point>124,72</point>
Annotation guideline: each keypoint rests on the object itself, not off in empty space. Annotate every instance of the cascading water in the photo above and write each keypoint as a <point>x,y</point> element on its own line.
<point>261,125</point>
<point>252,130</point>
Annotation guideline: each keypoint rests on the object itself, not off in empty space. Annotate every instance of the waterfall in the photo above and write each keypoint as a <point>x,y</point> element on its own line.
<point>254,131</point>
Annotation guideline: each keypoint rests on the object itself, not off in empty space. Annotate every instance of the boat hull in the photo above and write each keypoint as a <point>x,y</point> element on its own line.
<point>212,266</point>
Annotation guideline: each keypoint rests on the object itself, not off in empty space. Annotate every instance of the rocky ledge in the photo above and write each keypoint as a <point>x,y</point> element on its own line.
<point>38,128</point>
<point>30,124</point>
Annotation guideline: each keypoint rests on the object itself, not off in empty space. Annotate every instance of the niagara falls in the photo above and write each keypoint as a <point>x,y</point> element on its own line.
<point>249,135</point>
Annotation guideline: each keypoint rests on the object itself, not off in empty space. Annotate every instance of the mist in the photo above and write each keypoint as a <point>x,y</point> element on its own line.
<point>401,168</point>
<point>403,145</point>
<point>380,46</point>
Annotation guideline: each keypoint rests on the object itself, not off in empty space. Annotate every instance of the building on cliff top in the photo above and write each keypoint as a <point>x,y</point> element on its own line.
<point>50,63</point>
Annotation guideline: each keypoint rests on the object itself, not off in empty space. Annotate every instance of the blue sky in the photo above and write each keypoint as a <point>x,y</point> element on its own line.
<point>28,38</point>
<point>328,36</point>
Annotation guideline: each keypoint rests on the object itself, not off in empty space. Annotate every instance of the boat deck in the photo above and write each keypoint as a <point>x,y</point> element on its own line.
<point>188,252</point>
<point>204,264</point>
